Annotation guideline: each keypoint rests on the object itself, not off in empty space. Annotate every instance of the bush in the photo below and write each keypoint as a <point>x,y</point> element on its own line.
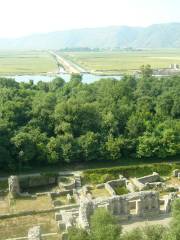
<point>121,190</point>
<point>105,174</point>
<point>3,184</point>
<point>77,234</point>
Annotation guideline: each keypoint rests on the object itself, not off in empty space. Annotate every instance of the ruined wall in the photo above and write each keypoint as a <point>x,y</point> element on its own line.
<point>14,187</point>
<point>37,181</point>
<point>111,185</point>
<point>150,178</point>
<point>147,204</point>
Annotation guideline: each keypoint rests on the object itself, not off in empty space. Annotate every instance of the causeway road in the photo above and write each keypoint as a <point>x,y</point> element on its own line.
<point>68,66</point>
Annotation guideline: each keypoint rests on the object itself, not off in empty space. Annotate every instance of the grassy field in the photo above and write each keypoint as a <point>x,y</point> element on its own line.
<point>19,226</point>
<point>26,62</point>
<point>116,62</point>
<point>24,204</point>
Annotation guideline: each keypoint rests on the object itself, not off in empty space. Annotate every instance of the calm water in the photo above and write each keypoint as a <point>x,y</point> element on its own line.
<point>87,78</point>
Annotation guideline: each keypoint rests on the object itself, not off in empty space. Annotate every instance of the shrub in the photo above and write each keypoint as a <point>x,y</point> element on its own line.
<point>121,190</point>
<point>106,174</point>
<point>3,184</point>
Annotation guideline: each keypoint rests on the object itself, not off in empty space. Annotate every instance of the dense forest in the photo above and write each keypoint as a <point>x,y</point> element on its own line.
<point>108,120</point>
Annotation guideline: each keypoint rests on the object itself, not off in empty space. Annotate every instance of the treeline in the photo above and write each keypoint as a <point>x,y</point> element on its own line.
<point>57,122</point>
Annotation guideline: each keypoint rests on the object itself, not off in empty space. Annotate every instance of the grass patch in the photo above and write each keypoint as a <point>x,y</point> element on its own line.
<point>63,200</point>
<point>121,190</point>
<point>19,226</point>
<point>24,204</point>
<point>96,193</point>
<point>28,204</point>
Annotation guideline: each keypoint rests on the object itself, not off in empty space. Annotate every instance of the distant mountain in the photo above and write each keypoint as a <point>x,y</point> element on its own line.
<point>154,36</point>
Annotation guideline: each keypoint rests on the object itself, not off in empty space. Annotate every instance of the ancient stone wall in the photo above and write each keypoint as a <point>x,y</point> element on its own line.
<point>14,187</point>
<point>142,183</point>
<point>111,185</point>
<point>147,204</point>
<point>150,178</point>
<point>86,209</point>
<point>37,181</point>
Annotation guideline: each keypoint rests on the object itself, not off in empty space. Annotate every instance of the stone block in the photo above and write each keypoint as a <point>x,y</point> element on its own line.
<point>34,233</point>
<point>58,217</point>
<point>61,226</point>
<point>175,172</point>
<point>14,188</point>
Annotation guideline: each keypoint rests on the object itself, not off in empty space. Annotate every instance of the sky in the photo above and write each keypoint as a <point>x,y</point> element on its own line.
<point>25,17</point>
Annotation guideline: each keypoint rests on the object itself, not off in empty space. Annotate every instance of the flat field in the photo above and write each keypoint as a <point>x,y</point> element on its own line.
<point>24,204</point>
<point>26,62</point>
<point>19,226</point>
<point>116,62</point>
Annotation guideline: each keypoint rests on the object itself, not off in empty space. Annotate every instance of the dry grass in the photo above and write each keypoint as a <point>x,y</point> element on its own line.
<point>54,237</point>
<point>25,204</point>
<point>99,193</point>
<point>63,200</point>
<point>174,181</point>
<point>4,205</point>
<point>18,227</point>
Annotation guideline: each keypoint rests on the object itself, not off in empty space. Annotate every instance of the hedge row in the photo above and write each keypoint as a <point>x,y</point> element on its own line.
<point>106,174</point>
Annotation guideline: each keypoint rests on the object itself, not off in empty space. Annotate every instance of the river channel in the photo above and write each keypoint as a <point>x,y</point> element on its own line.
<point>87,78</point>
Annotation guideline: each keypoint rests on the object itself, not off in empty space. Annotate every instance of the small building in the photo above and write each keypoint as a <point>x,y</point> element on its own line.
<point>174,66</point>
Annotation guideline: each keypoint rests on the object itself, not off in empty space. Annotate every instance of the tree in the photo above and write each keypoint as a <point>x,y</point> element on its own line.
<point>56,84</point>
<point>146,71</point>
<point>5,146</point>
<point>104,226</point>
<point>89,146</point>
<point>175,224</point>
<point>114,146</point>
<point>154,232</point>
<point>77,234</point>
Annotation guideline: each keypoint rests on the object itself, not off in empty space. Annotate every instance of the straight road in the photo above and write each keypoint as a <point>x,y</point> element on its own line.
<point>68,66</point>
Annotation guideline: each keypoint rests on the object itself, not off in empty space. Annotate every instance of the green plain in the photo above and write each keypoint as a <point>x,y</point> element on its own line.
<point>26,62</point>
<point>116,62</point>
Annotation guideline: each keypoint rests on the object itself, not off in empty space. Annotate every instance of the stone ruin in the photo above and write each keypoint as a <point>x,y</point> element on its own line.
<point>176,173</point>
<point>34,233</point>
<point>147,182</point>
<point>144,203</point>
<point>141,202</point>
<point>133,205</point>
<point>110,186</point>
<point>14,187</point>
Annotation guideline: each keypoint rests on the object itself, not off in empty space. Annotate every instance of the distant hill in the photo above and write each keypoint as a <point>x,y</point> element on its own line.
<point>154,36</point>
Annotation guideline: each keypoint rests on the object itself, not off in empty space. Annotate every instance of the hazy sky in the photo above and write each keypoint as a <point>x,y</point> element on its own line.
<point>23,17</point>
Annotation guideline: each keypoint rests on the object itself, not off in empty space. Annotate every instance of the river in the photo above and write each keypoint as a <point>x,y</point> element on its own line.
<point>87,78</point>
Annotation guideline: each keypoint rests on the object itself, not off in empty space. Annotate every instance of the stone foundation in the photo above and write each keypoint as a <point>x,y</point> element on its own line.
<point>145,204</point>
